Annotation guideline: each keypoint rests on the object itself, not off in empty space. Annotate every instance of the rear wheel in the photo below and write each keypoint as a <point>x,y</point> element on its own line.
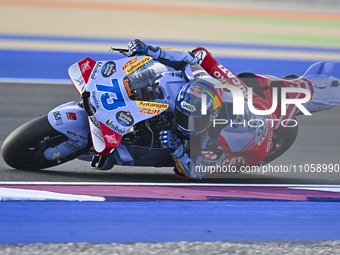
<point>24,148</point>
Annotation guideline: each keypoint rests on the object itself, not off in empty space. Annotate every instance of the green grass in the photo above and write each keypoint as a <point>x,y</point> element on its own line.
<point>283,38</point>
<point>260,20</point>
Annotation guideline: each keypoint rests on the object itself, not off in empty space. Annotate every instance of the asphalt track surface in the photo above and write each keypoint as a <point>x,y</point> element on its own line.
<point>318,139</point>
<point>317,143</point>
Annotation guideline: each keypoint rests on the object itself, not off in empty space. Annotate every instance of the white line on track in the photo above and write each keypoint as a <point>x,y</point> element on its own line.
<point>9,194</point>
<point>169,184</point>
<point>39,81</point>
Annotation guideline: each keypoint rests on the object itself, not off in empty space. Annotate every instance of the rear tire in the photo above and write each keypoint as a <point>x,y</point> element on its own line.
<point>24,148</point>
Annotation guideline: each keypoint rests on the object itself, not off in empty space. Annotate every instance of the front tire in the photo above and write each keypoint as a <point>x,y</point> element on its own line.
<point>24,148</point>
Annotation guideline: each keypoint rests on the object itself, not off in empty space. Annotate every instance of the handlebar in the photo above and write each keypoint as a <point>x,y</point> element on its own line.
<point>120,51</point>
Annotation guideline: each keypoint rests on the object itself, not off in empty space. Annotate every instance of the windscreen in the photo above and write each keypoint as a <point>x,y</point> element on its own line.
<point>142,83</point>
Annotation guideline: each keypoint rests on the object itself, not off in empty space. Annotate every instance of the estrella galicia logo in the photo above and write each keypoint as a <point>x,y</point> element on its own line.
<point>58,118</point>
<point>124,118</point>
<point>108,69</point>
<point>112,98</point>
<point>96,70</point>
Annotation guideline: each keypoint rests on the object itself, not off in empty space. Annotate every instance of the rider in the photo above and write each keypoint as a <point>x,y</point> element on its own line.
<point>233,144</point>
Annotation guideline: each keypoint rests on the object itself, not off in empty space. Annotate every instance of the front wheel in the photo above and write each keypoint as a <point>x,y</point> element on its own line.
<point>24,148</point>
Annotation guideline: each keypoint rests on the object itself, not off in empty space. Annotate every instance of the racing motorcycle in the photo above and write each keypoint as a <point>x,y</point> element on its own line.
<point>125,104</point>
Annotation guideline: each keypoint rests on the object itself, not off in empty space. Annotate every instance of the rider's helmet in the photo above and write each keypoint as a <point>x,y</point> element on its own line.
<point>189,114</point>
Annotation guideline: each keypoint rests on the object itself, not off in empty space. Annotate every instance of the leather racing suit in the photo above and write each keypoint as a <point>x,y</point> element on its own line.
<point>234,143</point>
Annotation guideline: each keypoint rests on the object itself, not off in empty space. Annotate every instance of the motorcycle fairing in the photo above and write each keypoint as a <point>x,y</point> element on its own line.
<point>80,73</point>
<point>71,120</point>
<point>319,69</point>
<point>113,112</point>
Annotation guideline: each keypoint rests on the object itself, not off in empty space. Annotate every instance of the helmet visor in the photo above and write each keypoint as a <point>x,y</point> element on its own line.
<point>192,123</point>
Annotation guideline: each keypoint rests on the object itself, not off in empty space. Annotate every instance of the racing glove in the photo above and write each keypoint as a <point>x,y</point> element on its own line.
<point>179,153</point>
<point>137,47</point>
<point>169,141</point>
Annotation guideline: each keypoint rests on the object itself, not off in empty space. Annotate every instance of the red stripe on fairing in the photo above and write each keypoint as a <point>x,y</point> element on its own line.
<point>310,86</point>
<point>270,77</point>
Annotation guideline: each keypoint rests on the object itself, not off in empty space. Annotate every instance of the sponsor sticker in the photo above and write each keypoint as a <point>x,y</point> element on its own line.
<point>108,69</point>
<point>142,62</point>
<point>86,66</point>
<point>149,111</point>
<point>71,116</point>
<point>96,70</point>
<point>127,87</point>
<point>97,134</point>
<point>163,101</point>
<point>80,83</point>
<point>111,139</point>
<point>112,98</point>
<point>200,56</point>
<point>75,135</point>
<point>231,160</point>
<point>129,63</point>
<point>58,118</point>
<point>94,97</point>
<point>211,103</point>
<point>152,105</point>
<point>94,121</point>
<point>71,146</point>
<point>196,91</point>
<point>188,107</point>
<point>56,155</point>
<point>115,127</point>
<point>124,118</point>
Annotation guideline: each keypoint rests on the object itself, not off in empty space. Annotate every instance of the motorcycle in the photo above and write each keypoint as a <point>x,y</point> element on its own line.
<point>125,104</point>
